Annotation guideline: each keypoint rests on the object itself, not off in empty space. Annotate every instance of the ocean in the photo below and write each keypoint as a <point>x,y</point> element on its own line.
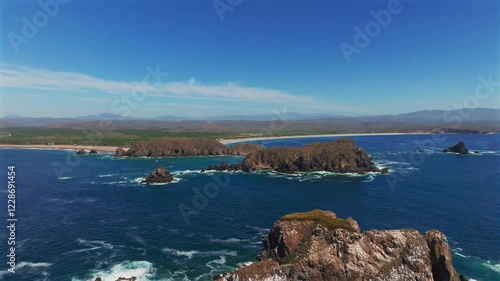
<point>83,217</point>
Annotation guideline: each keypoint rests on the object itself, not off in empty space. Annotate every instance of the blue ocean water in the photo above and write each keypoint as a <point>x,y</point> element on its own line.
<point>91,216</point>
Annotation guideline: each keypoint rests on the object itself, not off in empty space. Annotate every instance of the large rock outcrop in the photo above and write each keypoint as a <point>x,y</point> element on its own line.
<point>318,246</point>
<point>339,156</point>
<point>247,148</point>
<point>120,152</point>
<point>159,175</point>
<point>184,147</point>
<point>457,148</point>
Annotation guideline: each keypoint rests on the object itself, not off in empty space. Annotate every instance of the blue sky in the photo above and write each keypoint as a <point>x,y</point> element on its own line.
<point>91,57</point>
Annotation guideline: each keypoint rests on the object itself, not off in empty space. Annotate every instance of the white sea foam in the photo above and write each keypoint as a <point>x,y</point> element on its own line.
<point>191,253</point>
<point>142,270</point>
<point>91,245</point>
<point>106,175</point>
<point>491,265</point>
<point>370,178</point>
<point>495,266</point>
<point>242,264</point>
<point>23,264</point>
<point>229,240</point>
<point>65,178</point>
<point>32,264</point>
<point>95,242</point>
<point>260,230</point>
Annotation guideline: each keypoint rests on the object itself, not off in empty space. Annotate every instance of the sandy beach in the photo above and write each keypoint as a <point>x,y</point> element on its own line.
<point>101,149</point>
<point>108,149</point>
<point>231,141</point>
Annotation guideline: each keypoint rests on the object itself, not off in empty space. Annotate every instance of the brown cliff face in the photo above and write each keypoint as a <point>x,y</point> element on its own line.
<point>318,246</point>
<point>339,156</point>
<point>120,152</point>
<point>246,148</point>
<point>183,147</point>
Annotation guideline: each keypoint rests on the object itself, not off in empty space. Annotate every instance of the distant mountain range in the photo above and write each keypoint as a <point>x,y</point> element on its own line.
<point>483,116</point>
<point>111,116</point>
<point>469,114</point>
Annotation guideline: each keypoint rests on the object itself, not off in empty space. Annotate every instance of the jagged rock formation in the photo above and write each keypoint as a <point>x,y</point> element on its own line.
<point>159,175</point>
<point>339,156</point>
<point>318,246</point>
<point>184,147</point>
<point>93,151</point>
<point>120,152</point>
<point>458,148</point>
<point>81,152</point>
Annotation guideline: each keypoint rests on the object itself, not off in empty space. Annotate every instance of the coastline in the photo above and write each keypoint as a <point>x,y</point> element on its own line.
<point>233,141</point>
<point>100,149</point>
<point>110,149</point>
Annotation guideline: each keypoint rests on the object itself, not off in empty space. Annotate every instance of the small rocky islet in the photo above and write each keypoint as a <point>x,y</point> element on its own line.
<point>159,175</point>
<point>338,156</point>
<point>179,147</point>
<point>459,148</point>
<point>317,245</point>
<point>83,151</point>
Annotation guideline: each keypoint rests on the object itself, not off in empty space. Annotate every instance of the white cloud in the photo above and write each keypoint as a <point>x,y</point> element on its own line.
<point>22,77</point>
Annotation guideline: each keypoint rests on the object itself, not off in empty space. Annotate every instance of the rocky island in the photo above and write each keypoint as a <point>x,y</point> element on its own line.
<point>184,147</point>
<point>317,245</point>
<point>457,148</point>
<point>338,156</point>
<point>159,175</point>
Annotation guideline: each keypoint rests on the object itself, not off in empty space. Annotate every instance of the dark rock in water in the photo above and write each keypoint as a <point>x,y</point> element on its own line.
<point>120,152</point>
<point>159,175</point>
<point>126,279</point>
<point>119,279</point>
<point>339,156</point>
<point>317,246</point>
<point>476,152</point>
<point>186,147</point>
<point>458,148</point>
<point>92,151</point>
<point>81,152</point>
<point>384,171</point>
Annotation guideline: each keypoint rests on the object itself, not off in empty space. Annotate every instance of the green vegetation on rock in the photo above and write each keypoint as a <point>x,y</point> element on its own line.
<point>320,217</point>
